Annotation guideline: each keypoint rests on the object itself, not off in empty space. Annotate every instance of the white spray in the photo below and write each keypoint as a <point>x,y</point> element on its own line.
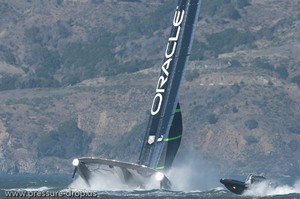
<point>267,189</point>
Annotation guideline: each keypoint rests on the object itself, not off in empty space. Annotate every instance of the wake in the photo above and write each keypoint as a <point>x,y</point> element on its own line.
<point>265,189</point>
<point>112,183</point>
<point>43,188</point>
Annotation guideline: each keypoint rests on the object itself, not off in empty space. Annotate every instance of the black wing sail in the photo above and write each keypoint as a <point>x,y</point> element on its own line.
<point>166,94</point>
<point>172,142</point>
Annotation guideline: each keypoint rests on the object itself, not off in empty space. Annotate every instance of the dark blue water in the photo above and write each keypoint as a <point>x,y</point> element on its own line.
<point>46,184</point>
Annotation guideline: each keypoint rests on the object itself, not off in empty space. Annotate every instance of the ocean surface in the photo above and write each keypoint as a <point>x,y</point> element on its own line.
<point>46,186</point>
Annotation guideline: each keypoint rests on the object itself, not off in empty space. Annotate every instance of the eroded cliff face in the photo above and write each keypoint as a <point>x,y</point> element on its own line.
<point>43,130</point>
<point>244,126</point>
<point>66,93</point>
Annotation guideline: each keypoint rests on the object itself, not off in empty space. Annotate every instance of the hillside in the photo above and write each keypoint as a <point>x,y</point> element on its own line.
<point>78,76</point>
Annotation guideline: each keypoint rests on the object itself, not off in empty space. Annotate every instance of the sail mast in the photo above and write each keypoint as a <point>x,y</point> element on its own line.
<point>166,94</point>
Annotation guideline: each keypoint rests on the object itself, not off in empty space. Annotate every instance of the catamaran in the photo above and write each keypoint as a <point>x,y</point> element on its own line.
<point>164,129</point>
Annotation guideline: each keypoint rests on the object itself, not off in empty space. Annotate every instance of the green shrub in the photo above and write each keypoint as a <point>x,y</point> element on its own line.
<point>263,63</point>
<point>130,143</point>
<point>234,63</point>
<point>65,142</point>
<point>159,19</point>
<point>295,130</point>
<point>59,2</point>
<point>282,72</point>
<point>251,124</point>
<point>268,32</point>
<point>296,80</point>
<point>97,1</point>
<point>132,66</point>
<point>212,118</point>
<point>235,109</point>
<point>223,9</point>
<point>190,75</point>
<point>294,145</point>
<point>241,3</point>
<point>251,139</point>
<point>236,88</point>
<point>7,55</point>
<point>86,60</point>
<point>226,40</point>
<point>8,82</point>
<point>229,11</point>
<point>47,60</point>
<point>33,35</point>
<point>199,50</point>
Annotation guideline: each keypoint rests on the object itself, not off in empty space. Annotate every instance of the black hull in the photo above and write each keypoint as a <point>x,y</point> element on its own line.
<point>235,186</point>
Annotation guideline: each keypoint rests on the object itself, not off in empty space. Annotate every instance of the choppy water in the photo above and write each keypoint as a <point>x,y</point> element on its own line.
<point>34,184</point>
